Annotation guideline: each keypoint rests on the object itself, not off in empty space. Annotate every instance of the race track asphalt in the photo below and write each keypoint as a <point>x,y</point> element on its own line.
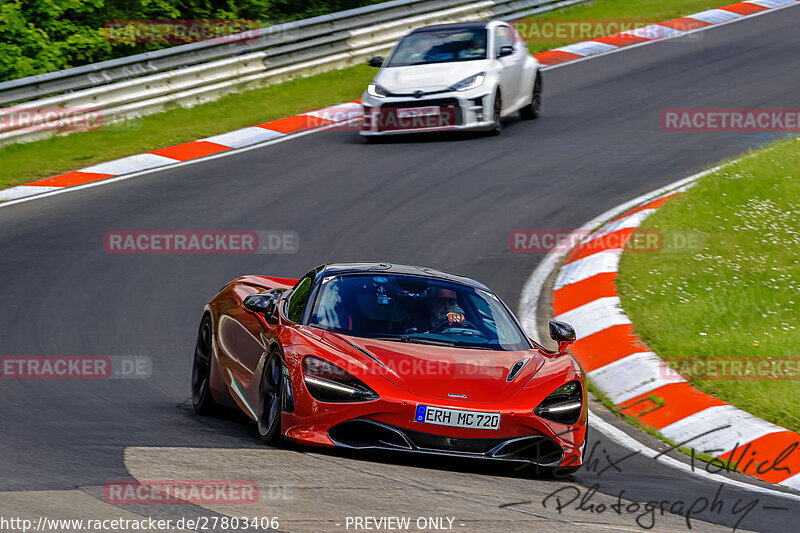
<point>445,202</point>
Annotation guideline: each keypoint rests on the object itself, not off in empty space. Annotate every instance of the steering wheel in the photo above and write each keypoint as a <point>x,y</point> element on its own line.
<point>445,324</point>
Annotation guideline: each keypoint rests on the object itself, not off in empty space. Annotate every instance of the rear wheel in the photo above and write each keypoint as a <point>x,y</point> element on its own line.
<point>531,111</point>
<point>202,401</point>
<point>270,399</point>
<point>497,118</point>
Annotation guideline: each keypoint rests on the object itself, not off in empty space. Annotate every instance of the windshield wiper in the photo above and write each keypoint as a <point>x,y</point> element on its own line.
<point>413,340</point>
<point>475,347</point>
<point>431,62</point>
<point>418,340</point>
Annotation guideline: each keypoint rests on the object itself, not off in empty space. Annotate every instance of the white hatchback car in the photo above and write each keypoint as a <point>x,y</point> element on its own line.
<point>467,75</point>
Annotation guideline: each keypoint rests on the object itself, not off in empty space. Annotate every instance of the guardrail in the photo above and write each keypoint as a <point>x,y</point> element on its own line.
<point>199,72</point>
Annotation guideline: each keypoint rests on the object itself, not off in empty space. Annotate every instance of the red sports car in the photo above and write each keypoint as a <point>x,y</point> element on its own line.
<point>391,357</point>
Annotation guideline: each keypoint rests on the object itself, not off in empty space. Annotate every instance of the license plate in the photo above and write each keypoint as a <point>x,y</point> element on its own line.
<point>411,112</point>
<point>457,418</point>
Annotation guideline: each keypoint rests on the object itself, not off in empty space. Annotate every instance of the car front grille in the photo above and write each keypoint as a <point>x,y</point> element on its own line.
<point>364,433</point>
<point>391,118</point>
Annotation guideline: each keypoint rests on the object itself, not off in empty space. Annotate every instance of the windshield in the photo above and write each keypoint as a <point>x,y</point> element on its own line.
<point>416,309</point>
<point>439,47</point>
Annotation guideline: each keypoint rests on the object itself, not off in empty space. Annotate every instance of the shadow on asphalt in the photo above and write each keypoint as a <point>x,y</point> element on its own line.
<point>237,425</point>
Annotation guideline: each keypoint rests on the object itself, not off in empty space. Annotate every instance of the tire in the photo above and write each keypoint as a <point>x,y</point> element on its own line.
<point>531,111</point>
<point>202,401</point>
<point>497,127</point>
<point>270,399</point>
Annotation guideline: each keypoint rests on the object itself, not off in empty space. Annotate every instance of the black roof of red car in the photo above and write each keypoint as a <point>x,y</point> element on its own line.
<point>391,268</point>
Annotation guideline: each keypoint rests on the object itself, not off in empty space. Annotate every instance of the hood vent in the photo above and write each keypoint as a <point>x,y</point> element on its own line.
<point>516,368</point>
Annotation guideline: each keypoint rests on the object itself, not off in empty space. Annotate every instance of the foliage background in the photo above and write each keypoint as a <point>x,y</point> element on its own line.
<point>38,36</point>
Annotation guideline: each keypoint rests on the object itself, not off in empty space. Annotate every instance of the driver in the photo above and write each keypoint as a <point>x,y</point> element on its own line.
<point>476,49</point>
<point>441,304</point>
<point>441,309</point>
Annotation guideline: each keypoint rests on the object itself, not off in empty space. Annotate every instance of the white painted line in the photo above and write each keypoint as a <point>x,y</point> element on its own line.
<point>243,137</point>
<point>587,48</point>
<point>793,482</point>
<point>21,191</point>
<point>595,316</point>
<point>586,267</point>
<point>227,153</point>
<point>744,428</point>
<point>632,376</point>
<point>132,163</point>
<point>633,221</point>
<point>773,4</point>
<point>532,290</point>
<point>715,16</point>
<point>779,4</point>
<point>623,439</point>
<point>654,32</point>
<point>529,301</point>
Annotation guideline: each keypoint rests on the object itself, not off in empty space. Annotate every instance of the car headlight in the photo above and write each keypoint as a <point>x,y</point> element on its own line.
<point>373,89</point>
<point>563,405</point>
<point>470,83</point>
<point>328,382</point>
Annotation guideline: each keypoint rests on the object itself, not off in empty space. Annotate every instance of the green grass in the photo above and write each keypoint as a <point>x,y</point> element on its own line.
<point>29,161</point>
<point>739,296</point>
<point>23,163</point>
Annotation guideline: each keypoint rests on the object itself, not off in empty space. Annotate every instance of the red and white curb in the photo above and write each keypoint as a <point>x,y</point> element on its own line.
<point>664,30</point>
<point>232,140</point>
<point>338,114</point>
<point>633,377</point>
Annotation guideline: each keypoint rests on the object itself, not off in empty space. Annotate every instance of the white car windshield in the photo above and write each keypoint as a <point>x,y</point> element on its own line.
<point>440,47</point>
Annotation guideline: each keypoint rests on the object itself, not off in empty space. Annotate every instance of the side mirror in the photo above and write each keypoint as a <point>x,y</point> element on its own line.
<point>505,51</point>
<point>563,334</point>
<point>376,61</point>
<point>263,303</point>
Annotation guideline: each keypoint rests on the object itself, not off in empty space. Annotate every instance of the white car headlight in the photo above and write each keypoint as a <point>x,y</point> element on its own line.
<point>470,83</point>
<point>377,91</point>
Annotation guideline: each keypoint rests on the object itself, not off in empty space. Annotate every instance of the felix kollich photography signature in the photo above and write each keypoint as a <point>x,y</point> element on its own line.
<point>645,513</point>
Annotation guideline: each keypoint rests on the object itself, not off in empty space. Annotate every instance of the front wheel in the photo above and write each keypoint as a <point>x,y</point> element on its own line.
<point>531,111</point>
<point>497,118</point>
<point>270,399</point>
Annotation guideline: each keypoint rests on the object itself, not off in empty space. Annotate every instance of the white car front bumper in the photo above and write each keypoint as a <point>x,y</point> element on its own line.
<point>459,110</point>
